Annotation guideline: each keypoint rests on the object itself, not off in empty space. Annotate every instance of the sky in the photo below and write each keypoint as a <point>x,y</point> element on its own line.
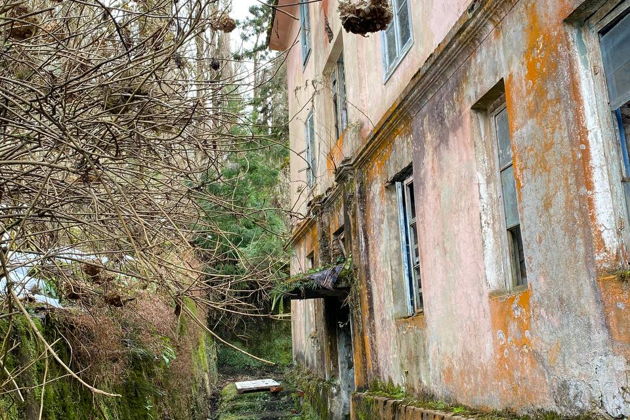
<point>240,8</point>
<point>240,11</point>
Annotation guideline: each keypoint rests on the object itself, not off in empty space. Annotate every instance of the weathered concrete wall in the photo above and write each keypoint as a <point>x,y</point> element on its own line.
<point>562,343</point>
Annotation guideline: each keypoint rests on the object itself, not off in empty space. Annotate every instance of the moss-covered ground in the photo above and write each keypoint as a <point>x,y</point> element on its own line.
<point>270,340</point>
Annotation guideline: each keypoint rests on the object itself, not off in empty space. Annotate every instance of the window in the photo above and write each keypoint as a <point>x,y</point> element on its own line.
<point>409,243</point>
<point>311,162</point>
<point>615,45</point>
<point>516,255</point>
<point>305,31</point>
<point>339,97</point>
<point>339,247</point>
<point>397,37</point>
<point>310,261</point>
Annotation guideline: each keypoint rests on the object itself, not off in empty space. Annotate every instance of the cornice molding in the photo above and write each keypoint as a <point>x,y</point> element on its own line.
<point>466,35</point>
<point>473,26</point>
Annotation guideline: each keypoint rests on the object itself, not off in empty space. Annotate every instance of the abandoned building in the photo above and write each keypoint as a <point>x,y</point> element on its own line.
<point>471,162</point>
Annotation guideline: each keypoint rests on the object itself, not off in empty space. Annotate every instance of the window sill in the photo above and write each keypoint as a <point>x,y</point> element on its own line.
<point>501,293</point>
<point>416,320</point>
<point>392,69</point>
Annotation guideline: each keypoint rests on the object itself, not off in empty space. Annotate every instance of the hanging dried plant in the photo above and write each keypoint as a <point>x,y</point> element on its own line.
<point>364,16</point>
<point>223,23</point>
<point>23,24</point>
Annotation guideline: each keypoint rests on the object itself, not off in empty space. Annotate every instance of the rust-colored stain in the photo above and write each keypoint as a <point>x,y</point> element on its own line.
<point>615,293</point>
<point>416,321</point>
<point>546,48</point>
<point>516,371</point>
<point>380,158</point>
<point>335,155</point>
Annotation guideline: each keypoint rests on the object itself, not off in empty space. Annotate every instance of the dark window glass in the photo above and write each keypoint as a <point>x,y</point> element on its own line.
<point>510,203</point>
<point>404,23</point>
<point>409,238</point>
<point>503,138</point>
<point>615,45</point>
<point>510,200</point>
<point>310,150</point>
<point>391,48</point>
<point>398,35</point>
<point>305,31</point>
<point>616,52</point>
<point>339,97</point>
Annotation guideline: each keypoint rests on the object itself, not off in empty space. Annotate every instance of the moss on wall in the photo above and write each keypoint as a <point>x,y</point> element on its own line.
<point>317,392</point>
<point>386,400</point>
<point>150,384</point>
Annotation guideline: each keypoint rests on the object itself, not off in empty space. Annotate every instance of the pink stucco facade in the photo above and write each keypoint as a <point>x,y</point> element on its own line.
<point>559,343</point>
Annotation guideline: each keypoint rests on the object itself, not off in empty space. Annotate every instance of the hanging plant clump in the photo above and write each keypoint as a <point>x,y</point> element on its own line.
<point>22,25</point>
<point>223,23</point>
<point>364,16</point>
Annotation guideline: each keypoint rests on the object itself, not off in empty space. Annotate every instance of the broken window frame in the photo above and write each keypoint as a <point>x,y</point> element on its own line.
<point>401,47</point>
<point>409,244</point>
<point>305,31</point>
<point>340,105</point>
<point>515,252</point>
<point>311,161</point>
<point>339,240</point>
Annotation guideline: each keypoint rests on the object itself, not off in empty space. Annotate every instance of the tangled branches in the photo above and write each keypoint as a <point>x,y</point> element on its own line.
<point>115,125</point>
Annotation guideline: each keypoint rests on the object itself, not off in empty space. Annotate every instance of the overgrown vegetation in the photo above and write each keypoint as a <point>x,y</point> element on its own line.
<point>138,200</point>
<point>148,367</point>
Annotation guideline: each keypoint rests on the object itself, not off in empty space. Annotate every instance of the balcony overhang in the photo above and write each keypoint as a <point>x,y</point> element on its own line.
<point>283,14</point>
<point>329,282</point>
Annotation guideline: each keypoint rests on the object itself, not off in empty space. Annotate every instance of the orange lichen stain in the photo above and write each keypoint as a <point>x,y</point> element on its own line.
<point>309,243</point>
<point>615,293</point>
<point>335,155</point>
<point>554,352</point>
<point>367,133</point>
<point>380,157</point>
<point>550,78</point>
<point>517,372</point>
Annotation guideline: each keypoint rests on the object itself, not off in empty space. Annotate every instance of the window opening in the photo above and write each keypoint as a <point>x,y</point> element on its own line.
<point>615,46</point>
<point>305,30</point>
<point>310,150</point>
<point>510,203</point>
<point>339,97</point>
<point>409,243</point>
<point>397,36</point>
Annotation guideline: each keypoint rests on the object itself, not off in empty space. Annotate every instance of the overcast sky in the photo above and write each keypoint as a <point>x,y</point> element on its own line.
<point>240,8</point>
<point>240,11</point>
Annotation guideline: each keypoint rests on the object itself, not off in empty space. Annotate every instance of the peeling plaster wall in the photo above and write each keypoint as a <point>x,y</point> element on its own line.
<point>562,343</point>
<point>369,95</point>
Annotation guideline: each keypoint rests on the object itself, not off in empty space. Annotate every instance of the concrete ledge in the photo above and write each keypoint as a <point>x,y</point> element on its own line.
<point>368,407</point>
